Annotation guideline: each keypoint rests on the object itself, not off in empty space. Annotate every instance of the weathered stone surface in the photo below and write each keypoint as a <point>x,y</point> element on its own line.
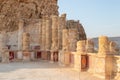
<point>61,26</point>
<point>81,47</point>
<point>20,32</point>
<point>12,10</point>
<point>89,46</point>
<point>73,38</point>
<point>48,34</point>
<point>113,48</point>
<point>103,45</point>
<point>26,41</point>
<point>54,46</point>
<point>65,38</point>
<point>71,24</point>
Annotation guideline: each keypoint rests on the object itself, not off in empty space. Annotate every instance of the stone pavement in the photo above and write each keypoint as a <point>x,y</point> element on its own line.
<point>40,70</point>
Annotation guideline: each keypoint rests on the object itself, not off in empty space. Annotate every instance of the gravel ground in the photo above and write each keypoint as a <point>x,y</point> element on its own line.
<point>40,70</point>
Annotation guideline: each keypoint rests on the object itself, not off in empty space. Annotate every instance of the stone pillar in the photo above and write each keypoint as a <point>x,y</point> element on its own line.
<point>54,33</point>
<point>40,33</point>
<point>65,48</point>
<point>48,35</point>
<point>103,45</point>
<point>26,46</point>
<point>43,34</point>
<point>107,58</point>
<point>20,32</point>
<point>89,46</point>
<point>54,47</point>
<point>65,40</point>
<point>73,38</point>
<point>81,47</point>
<point>80,51</point>
<point>61,26</point>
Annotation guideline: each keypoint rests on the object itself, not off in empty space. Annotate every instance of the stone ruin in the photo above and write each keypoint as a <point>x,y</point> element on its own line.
<point>33,29</point>
<point>38,32</point>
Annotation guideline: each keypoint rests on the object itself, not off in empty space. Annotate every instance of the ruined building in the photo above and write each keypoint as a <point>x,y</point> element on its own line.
<point>33,29</point>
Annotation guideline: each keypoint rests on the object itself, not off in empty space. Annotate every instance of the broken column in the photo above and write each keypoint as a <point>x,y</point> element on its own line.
<point>54,48</point>
<point>89,46</point>
<point>26,46</point>
<point>103,45</point>
<point>80,56</point>
<point>20,32</point>
<point>48,37</point>
<point>105,58</point>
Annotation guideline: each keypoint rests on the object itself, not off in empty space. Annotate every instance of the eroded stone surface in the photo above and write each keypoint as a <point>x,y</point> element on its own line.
<point>12,10</point>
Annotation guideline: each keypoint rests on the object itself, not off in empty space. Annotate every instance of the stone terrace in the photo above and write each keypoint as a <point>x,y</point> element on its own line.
<point>42,70</point>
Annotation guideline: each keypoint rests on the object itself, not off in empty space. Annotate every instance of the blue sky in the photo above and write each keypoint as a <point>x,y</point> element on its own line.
<point>99,17</point>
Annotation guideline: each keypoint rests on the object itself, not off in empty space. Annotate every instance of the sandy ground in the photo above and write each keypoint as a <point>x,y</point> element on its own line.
<point>40,70</point>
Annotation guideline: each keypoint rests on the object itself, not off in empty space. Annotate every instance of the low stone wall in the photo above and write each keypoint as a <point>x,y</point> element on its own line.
<point>116,67</point>
<point>97,65</point>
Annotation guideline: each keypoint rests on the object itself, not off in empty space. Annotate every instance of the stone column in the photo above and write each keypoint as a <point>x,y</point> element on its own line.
<point>81,47</point>
<point>20,32</point>
<point>65,48</point>
<point>26,46</point>
<point>54,47</point>
<point>48,37</point>
<point>103,45</point>
<point>89,46</point>
<point>54,33</point>
<point>40,33</point>
<point>43,34</point>
<point>73,38</point>
<point>61,26</point>
<point>48,34</point>
<point>80,51</point>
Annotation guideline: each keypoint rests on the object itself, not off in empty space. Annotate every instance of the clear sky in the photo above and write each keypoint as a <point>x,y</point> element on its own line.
<point>99,17</point>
